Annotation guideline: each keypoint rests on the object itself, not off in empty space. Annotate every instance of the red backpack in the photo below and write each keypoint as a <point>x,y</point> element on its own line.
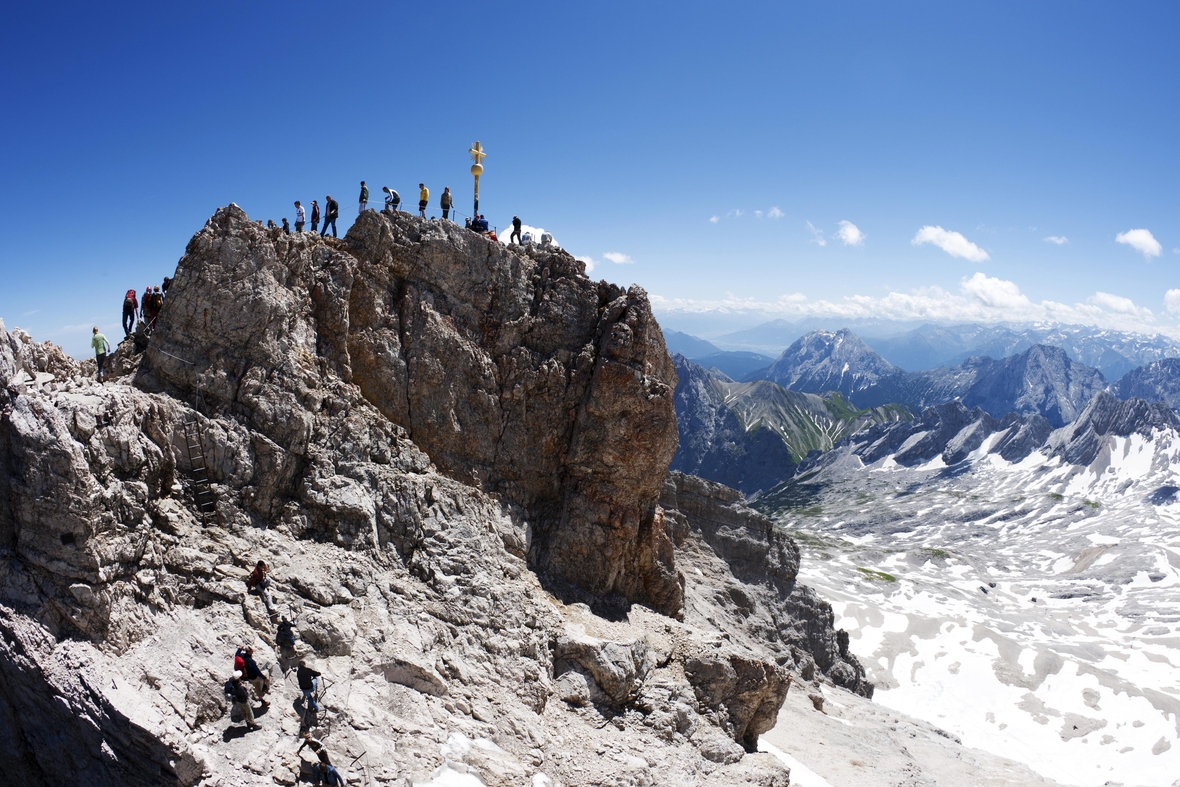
<point>240,664</point>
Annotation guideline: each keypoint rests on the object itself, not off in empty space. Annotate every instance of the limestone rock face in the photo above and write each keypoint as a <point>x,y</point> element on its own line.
<point>443,554</point>
<point>743,572</point>
<point>512,371</point>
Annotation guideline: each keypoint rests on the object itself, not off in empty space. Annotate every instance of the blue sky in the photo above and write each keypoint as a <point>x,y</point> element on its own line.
<point>623,128</point>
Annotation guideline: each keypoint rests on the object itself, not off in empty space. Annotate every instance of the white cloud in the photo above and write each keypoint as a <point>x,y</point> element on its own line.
<point>1142,241</point>
<point>737,213</point>
<point>817,234</point>
<point>618,258</point>
<point>1176,251</point>
<point>1172,301</point>
<point>980,298</point>
<point>952,243</point>
<point>590,263</point>
<point>850,234</point>
<point>1118,304</point>
<point>31,313</point>
<point>995,293</point>
<point>1059,240</point>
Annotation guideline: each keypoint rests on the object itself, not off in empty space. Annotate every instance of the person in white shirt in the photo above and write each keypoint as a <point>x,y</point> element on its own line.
<point>299,217</point>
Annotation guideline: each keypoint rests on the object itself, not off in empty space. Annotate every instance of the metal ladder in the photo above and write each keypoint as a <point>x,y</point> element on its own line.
<point>202,492</point>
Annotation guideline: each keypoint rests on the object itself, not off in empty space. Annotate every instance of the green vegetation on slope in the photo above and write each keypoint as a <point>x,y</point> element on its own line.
<point>805,422</point>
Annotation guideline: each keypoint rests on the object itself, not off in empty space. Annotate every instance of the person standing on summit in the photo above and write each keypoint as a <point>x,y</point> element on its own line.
<point>364,198</point>
<point>423,199</point>
<point>332,212</point>
<point>299,217</point>
<point>515,230</point>
<point>445,202</point>
<point>101,348</point>
<point>315,216</point>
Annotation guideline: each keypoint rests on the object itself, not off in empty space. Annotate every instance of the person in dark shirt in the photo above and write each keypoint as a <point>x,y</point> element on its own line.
<point>332,212</point>
<point>254,675</point>
<point>315,216</point>
<point>308,683</point>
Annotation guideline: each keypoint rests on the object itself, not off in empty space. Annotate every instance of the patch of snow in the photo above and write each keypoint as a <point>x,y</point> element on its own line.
<point>801,775</point>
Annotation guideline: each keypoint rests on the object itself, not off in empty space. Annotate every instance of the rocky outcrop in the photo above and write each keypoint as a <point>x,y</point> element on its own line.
<point>722,540</point>
<point>512,371</point>
<point>401,533</point>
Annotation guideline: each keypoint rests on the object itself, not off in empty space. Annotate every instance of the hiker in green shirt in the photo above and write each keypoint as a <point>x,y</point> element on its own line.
<point>101,348</point>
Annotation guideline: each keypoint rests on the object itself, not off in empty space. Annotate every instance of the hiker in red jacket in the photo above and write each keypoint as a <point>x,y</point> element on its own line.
<point>130,308</point>
<point>260,579</point>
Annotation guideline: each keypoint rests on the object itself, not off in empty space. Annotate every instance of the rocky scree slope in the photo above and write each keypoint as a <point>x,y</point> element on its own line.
<point>451,454</point>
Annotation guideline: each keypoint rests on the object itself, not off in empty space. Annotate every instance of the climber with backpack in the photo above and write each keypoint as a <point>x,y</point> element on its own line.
<point>157,303</point>
<point>130,309</point>
<point>143,302</point>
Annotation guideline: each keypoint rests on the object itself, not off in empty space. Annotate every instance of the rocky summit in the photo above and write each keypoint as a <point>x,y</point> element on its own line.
<point>453,457</point>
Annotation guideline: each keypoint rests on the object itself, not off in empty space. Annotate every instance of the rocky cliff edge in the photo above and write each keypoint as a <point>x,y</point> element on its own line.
<point>453,456</point>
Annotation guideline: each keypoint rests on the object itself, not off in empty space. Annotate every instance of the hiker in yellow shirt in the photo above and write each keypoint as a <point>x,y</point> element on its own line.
<point>423,198</point>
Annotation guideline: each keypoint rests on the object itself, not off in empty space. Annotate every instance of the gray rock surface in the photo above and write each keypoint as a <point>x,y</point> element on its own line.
<point>373,412</point>
<point>515,374</point>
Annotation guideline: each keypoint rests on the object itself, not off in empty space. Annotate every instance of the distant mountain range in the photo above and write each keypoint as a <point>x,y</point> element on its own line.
<point>750,436</point>
<point>688,346</point>
<point>828,385</point>
<point>1041,380</point>
<point>736,365</point>
<point>919,347</point>
<point>1114,353</point>
<point>953,433</point>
